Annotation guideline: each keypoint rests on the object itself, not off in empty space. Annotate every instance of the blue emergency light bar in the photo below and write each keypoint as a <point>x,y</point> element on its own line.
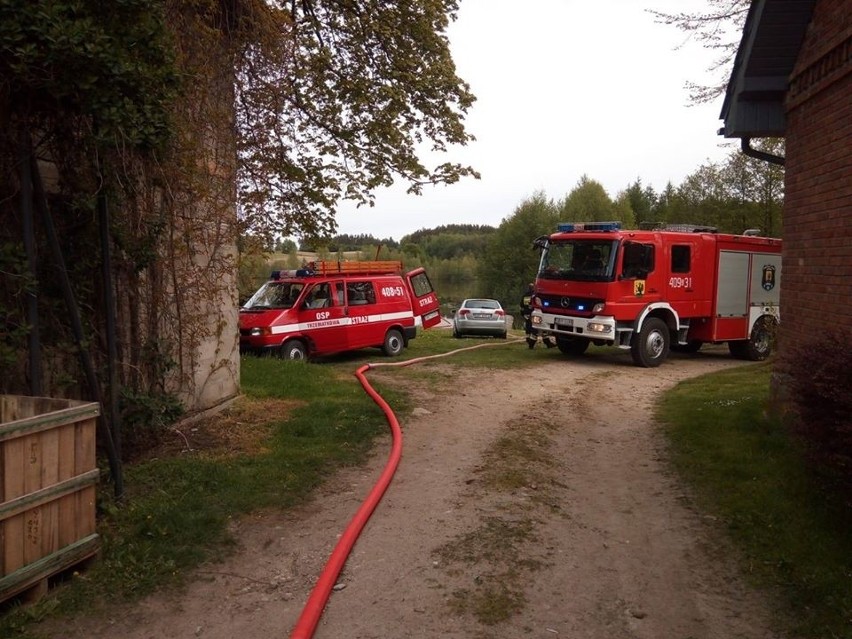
<point>576,227</point>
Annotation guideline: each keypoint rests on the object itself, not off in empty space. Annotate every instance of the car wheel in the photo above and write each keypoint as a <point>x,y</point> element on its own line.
<point>572,345</point>
<point>650,346</point>
<point>294,350</point>
<point>393,344</point>
<point>503,335</point>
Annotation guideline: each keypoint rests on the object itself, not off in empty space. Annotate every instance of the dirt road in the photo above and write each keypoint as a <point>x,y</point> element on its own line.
<point>531,504</point>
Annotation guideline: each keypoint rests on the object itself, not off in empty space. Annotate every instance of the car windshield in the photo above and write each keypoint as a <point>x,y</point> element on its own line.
<point>578,260</point>
<point>489,304</point>
<point>275,294</point>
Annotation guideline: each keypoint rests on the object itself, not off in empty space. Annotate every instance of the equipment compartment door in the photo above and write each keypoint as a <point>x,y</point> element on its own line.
<point>425,300</point>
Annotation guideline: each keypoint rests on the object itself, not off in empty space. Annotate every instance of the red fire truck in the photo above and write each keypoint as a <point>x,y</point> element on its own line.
<point>330,306</point>
<point>650,291</point>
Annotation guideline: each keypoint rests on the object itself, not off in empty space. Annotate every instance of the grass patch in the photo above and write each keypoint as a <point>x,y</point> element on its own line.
<point>747,469</point>
<point>177,508</point>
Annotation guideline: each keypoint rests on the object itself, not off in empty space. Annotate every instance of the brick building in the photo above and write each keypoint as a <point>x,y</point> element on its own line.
<point>792,78</point>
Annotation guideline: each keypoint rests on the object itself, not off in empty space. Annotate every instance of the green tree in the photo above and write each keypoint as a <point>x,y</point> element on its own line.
<point>334,98</point>
<point>587,202</point>
<point>510,261</point>
<point>643,203</point>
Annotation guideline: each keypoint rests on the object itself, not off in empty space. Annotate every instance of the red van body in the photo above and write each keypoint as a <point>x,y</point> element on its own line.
<point>329,307</point>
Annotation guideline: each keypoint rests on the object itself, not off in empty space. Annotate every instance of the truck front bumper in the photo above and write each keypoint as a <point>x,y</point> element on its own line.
<point>600,328</point>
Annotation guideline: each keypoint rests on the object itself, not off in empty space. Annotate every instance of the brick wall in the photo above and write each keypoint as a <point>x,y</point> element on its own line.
<point>817,255</point>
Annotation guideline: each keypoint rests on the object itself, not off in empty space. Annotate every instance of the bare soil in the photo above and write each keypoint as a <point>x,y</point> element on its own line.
<point>533,503</point>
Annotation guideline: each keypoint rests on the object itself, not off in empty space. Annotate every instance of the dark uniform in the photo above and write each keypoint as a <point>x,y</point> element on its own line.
<point>526,313</point>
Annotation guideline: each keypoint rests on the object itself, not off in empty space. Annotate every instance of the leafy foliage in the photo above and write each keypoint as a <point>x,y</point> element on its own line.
<point>333,101</point>
<point>109,65</point>
<point>511,262</point>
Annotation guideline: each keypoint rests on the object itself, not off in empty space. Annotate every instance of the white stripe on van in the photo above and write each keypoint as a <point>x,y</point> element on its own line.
<point>340,321</point>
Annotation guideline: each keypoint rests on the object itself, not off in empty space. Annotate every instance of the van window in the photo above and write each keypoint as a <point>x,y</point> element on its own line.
<point>681,258</point>
<point>421,285</point>
<point>318,297</point>
<point>360,293</point>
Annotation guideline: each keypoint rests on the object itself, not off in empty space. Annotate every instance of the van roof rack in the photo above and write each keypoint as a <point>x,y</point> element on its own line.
<point>374,267</point>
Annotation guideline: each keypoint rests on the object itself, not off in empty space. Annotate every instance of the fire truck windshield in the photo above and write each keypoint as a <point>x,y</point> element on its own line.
<point>275,294</point>
<point>579,260</point>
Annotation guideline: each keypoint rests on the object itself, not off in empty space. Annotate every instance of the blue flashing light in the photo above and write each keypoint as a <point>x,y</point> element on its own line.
<point>603,227</point>
<point>275,275</point>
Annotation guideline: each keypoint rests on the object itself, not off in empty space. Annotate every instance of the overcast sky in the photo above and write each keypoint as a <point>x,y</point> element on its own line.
<point>564,88</point>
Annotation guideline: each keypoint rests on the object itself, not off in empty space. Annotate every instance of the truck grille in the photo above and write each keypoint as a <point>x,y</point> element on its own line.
<point>581,306</point>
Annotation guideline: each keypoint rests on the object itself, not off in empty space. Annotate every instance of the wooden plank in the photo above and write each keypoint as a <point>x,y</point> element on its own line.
<point>47,494</point>
<point>13,529</point>
<point>46,421</point>
<point>68,503</point>
<point>49,477</point>
<point>23,578</point>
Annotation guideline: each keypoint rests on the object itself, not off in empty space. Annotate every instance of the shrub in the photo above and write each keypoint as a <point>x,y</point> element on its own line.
<point>821,401</point>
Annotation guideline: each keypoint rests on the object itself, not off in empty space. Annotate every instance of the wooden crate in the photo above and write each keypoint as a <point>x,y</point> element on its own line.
<point>48,483</point>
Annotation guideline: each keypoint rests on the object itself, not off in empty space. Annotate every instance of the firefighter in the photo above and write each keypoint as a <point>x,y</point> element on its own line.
<point>526,313</point>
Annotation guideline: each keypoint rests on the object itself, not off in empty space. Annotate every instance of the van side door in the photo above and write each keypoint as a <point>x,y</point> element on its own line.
<point>321,317</point>
<point>365,318</point>
<point>424,300</point>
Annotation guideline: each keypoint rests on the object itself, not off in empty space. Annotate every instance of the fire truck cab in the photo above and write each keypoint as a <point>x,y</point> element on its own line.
<point>652,291</point>
<point>330,306</point>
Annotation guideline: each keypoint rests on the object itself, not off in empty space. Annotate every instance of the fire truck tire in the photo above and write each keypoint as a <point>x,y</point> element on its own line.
<point>393,344</point>
<point>650,346</point>
<point>757,347</point>
<point>294,349</point>
<point>572,345</point>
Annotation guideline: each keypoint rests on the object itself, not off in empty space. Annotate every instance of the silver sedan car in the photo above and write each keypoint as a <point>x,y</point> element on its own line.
<point>480,317</point>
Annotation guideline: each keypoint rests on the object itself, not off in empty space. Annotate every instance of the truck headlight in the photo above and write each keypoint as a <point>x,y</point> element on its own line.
<point>598,308</point>
<point>256,331</point>
<point>536,319</point>
<point>597,327</point>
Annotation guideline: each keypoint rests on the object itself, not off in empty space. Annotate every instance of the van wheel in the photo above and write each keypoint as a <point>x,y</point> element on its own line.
<point>572,345</point>
<point>295,350</point>
<point>757,347</point>
<point>393,344</point>
<point>650,346</point>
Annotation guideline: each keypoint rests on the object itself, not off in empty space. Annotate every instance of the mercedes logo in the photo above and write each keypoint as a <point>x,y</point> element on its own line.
<point>565,302</point>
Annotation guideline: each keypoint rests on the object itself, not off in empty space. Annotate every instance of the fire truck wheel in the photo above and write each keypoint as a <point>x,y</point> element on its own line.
<point>393,343</point>
<point>572,345</point>
<point>294,349</point>
<point>757,347</point>
<point>650,346</point>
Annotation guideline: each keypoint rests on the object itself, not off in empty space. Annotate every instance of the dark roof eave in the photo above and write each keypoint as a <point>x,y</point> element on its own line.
<point>772,36</point>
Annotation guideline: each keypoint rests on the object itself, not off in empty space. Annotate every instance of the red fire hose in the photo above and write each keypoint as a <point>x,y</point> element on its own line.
<point>311,613</point>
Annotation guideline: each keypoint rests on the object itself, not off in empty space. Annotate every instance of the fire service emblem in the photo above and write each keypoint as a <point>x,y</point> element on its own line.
<point>768,281</point>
